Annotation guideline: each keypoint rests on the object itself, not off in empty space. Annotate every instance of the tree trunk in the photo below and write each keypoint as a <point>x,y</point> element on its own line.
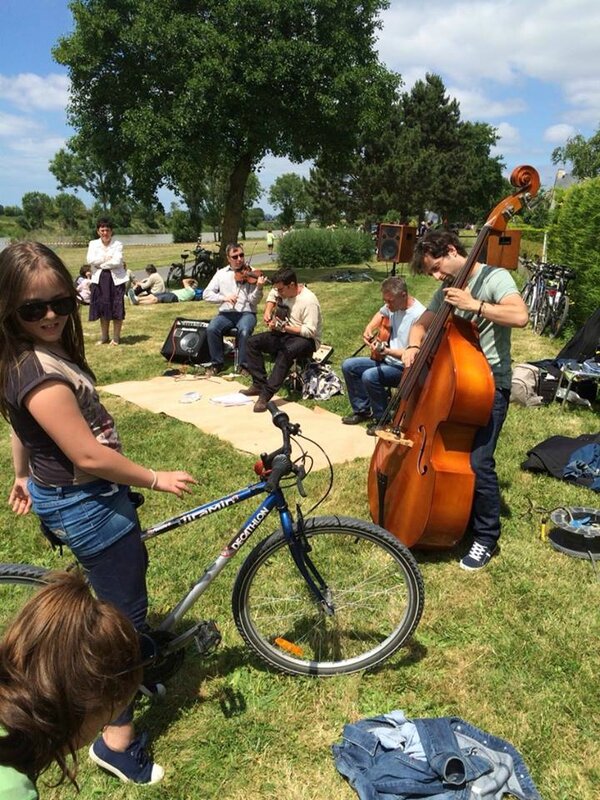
<point>234,202</point>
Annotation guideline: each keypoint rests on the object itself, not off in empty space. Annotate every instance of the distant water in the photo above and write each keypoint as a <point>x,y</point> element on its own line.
<point>152,238</point>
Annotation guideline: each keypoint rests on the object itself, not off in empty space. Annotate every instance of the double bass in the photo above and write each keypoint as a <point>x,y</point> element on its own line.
<point>420,481</point>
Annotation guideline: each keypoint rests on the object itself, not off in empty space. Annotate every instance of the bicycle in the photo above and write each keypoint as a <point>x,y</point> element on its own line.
<point>556,300</point>
<point>203,268</point>
<point>319,596</point>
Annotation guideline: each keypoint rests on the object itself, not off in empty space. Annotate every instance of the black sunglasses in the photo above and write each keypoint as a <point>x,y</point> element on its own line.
<point>37,309</point>
<point>238,255</point>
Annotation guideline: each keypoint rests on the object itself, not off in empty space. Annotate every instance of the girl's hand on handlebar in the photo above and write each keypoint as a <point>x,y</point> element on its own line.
<point>175,482</point>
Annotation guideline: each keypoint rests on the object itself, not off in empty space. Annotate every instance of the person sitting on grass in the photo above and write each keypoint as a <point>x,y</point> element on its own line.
<point>69,664</point>
<point>153,284</point>
<point>187,292</point>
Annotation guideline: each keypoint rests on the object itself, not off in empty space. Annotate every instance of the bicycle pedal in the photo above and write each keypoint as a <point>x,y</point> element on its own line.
<point>207,637</point>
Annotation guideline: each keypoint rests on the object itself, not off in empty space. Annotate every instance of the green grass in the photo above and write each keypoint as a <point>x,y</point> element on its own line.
<point>514,650</point>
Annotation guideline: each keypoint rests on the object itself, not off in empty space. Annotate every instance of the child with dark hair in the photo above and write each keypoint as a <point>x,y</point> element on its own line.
<point>69,663</point>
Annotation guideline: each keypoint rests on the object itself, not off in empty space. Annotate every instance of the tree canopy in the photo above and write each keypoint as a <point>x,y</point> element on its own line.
<point>582,153</point>
<point>423,157</point>
<point>171,88</point>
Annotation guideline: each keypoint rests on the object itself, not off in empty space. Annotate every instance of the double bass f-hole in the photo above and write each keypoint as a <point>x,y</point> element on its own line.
<point>421,465</point>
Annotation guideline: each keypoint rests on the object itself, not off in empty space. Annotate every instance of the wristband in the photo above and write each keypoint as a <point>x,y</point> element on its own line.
<point>481,308</point>
<point>154,479</point>
<point>413,347</point>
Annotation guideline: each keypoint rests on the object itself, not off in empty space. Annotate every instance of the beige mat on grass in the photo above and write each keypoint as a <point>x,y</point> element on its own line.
<point>252,433</point>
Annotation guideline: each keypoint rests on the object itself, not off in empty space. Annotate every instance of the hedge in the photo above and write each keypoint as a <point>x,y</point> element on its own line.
<point>311,249</point>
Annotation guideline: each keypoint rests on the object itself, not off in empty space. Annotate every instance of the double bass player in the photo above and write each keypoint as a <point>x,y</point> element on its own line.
<point>492,301</point>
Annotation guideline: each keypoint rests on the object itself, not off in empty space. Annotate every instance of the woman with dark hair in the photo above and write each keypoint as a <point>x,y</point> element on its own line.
<point>67,457</point>
<point>109,281</point>
<point>69,663</point>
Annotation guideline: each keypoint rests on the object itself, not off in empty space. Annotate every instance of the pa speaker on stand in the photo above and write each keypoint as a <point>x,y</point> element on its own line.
<point>395,243</point>
<point>186,342</point>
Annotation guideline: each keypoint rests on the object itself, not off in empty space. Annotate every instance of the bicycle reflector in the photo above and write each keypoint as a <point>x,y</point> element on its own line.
<point>260,469</point>
<point>290,647</point>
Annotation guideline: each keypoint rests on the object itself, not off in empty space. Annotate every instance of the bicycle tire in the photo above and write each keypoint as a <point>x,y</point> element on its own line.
<point>18,582</point>
<point>175,275</point>
<point>559,316</point>
<point>541,317</point>
<point>376,589</point>
<point>527,294</point>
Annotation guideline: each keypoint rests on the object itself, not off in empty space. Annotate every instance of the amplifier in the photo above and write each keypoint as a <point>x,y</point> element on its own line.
<point>186,342</point>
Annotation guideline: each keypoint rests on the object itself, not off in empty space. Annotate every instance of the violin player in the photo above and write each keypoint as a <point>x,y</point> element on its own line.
<point>238,297</point>
<point>369,378</point>
<point>491,300</point>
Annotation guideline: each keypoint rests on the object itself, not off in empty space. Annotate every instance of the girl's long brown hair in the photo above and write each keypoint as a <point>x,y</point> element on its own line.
<point>19,263</point>
<point>65,657</point>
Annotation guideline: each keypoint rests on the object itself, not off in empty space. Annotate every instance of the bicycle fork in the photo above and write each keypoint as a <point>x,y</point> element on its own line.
<point>299,549</point>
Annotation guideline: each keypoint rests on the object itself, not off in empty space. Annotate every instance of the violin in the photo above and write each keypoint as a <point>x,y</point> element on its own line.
<point>245,274</point>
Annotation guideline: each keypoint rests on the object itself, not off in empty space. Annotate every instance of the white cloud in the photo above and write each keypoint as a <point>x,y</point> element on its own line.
<point>474,104</point>
<point>482,46</point>
<point>509,139</point>
<point>31,92</point>
<point>558,134</point>
<point>13,126</point>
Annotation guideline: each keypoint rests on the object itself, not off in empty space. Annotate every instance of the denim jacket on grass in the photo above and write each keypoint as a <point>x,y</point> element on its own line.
<point>393,758</point>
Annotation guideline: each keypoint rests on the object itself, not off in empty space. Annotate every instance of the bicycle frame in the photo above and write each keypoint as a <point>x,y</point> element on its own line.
<point>273,500</point>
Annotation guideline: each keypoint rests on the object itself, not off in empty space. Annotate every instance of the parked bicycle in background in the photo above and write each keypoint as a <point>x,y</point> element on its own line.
<point>546,295</point>
<point>204,266</point>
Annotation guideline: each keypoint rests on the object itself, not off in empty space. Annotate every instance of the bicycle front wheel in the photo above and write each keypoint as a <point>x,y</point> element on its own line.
<point>373,583</point>
<point>18,582</point>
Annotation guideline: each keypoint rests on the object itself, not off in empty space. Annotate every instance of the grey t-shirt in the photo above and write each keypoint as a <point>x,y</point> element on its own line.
<point>48,465</point>
<point>489,285</point>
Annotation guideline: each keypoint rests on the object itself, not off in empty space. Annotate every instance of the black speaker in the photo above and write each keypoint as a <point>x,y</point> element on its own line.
<point>395,243</point>
<point>186,342</point>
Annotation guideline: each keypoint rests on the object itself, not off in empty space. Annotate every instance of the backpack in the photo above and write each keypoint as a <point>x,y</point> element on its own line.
<point>319,382</point>
<point>524,388</point>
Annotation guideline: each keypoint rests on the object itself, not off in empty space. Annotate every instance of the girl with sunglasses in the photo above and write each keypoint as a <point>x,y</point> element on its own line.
<point>68,664</point>
<point>67,457</point>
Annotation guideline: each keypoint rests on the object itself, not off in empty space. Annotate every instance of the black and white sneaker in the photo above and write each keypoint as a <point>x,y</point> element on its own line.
<point>478,557</point>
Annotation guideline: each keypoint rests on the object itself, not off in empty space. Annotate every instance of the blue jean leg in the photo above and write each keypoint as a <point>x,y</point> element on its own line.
<point>367,382</point>
<point>244,321</point>
<point>485,514</point>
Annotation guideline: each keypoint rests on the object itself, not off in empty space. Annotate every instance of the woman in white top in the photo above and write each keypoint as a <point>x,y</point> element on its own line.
<point>109,280</point>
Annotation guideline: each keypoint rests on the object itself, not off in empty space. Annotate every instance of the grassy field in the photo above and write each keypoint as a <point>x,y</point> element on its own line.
<point>514,650</point>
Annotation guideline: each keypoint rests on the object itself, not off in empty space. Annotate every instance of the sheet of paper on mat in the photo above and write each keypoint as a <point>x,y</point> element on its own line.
<point>232,399</point>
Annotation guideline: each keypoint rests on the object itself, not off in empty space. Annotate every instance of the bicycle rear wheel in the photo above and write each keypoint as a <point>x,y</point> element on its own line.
<point>541,316</point>
<point>18,582</point>
<point>373,582</point>
<point>175,275</point>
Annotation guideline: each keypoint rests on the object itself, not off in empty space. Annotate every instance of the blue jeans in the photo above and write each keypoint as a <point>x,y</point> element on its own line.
<point>485,514</point>
<point>244,321</point>
<point>367,382</point>
<point>99,524</point>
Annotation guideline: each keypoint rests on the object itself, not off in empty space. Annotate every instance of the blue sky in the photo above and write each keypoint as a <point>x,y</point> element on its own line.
<point>529,69</point>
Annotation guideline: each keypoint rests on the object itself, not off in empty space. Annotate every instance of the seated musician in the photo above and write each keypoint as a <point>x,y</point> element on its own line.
<point>368,378</point>
<point>294,333</point>
<point>238,300</point>
<point>492,301</point>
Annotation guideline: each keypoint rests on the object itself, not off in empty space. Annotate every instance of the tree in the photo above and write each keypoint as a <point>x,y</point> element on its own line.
<point>427,158</point>
<point>77,167</point>
<point>70,210</point>
<point>177,86</point>
<point>584,155</point>
<point>328,196</point>
<point>289,194</point>
<point>36,207</point>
